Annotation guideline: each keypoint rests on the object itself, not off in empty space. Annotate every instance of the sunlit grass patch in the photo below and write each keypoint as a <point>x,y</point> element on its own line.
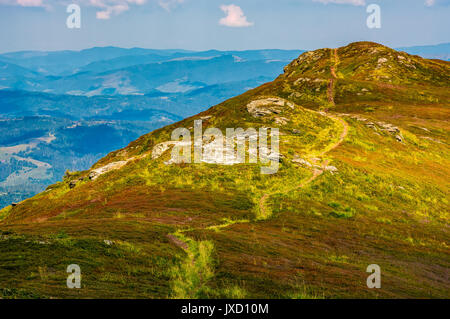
<point>191,277</point>
<point>5,212</point>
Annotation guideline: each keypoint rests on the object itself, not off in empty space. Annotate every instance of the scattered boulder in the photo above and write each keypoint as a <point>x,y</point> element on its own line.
<point>295,95</point>
<point>431,139</point>
<point>108,242</point>
<point>94,174</point>
<point>281,120</point>
<point>299,80</point>
<point>358,118</point>
<point>331,169</point>
<point>263,107</point>
<point>160,148</point>
<point>297,159</point>
<point>273,157</point>
<point>388,127</point>
<point>381,62</point>
<point>308,57</point>
<point>74,182</point>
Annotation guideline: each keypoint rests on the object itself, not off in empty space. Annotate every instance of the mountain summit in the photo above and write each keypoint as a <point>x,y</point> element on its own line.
<point>361,179</point>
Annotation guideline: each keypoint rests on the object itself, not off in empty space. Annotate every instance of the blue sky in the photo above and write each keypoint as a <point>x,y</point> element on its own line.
<point>219,24</point>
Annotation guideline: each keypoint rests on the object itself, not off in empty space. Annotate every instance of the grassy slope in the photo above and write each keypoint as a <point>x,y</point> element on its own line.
<point>205,230</point>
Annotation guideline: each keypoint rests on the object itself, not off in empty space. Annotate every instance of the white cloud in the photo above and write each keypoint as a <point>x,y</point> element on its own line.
<point>110,8</point>
<point>168,5</point>
<point>352,2</point>
<point>23,3</point>
<point>30,3</point>
<point>235,17</point>
<point>106,8</point>
<point>430,3</point>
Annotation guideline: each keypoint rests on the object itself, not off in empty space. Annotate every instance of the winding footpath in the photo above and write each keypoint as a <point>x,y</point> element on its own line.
<point>264,211</point>
<point>330,91</point>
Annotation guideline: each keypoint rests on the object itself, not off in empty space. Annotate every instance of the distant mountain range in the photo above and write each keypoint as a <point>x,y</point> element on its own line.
<point>112,70</point>
<point>439,51</point>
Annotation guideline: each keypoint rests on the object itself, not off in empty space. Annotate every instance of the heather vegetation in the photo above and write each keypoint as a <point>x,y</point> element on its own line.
<point>363,180</point>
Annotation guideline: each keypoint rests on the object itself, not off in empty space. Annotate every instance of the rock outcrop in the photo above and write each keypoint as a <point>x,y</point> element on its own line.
<point>268,106</point>
<point>95,173</point>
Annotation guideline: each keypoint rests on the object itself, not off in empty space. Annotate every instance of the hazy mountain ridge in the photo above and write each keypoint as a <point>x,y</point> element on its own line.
<point>128,75</point>
<point>60,62</point>
<point>439,51</point>
<point>100,59</point>
<point>76,61</point>
<point>78,72</point>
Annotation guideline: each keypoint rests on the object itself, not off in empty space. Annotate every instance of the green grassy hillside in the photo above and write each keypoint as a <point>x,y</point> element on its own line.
<point>363,179</point>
